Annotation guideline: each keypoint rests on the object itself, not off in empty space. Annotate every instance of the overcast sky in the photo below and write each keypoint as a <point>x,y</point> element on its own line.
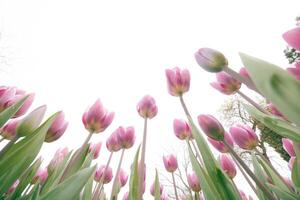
<point>71,52</point>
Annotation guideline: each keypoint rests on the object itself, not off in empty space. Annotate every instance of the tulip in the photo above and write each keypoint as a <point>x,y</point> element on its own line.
<point>292,37</point>
<point>57,128</point>
<point>6,95</point>
<point>289,147</point>
<point>57,159</point>
<point>244,73</point>
<point>193,182</point>
<point>152,189</point>
<point>26,105</point>
<point>96,119</point>
<point>147,107</point>
<point>126,137</point>
<point>123,177</point>
<point>170,163</point>
<point>95,149</point>
<point>40,177</point>
<point>126,196</point>
<point>219,145</point>
<point>211,60</point>
<point>13,187</point>
<point>108,175</point>
<point>9,130</point>
<point>295,70</point>
<point>211,127</point>
<point>182,129</point>
<point>226,84</point>
<point>227,165</point>
<point>244,137</point>
<point>178,81</point>
<point>112,143</point>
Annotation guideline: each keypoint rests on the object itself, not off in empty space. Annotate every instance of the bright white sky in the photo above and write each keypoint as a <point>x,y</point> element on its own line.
<point>70,52</point>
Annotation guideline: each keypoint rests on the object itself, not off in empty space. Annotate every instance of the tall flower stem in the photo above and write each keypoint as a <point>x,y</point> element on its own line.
<point>251,101</point>
<point>174,184</point>
<point>143,154</point>
<point>8,145</point>
<point>197,151</point>
<point>197,195</point>
<point>184,107</point>
<point>250,173</point>
<point>116,179</point>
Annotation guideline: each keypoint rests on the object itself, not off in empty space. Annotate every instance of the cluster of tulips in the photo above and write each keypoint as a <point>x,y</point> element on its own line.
<point>75,175</point>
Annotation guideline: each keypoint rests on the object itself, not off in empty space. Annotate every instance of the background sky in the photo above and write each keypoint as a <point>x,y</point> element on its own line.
<point>71,52</point>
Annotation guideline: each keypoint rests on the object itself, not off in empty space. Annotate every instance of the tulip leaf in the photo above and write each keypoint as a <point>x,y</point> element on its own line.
<point>88,189</point>
<point>134,177</point>
<point>259,173</point>
<point>276,84</point>
<point>296,173</point>
<point>156,187</point>
<point>70,189</point>
<point>283,194</point>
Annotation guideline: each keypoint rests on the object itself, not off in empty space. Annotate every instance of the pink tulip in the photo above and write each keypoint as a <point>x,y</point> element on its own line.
<point>9,130</point>
<point>182,129</point>
<point>193,182</point>
<point>26,105</point>
<point>178,81</point>
<point>13,187</point>
<point>126,137</point>
<point>123,177</point>
<point>96,119</point>
<point>108,175</point>
<point>147,107</point>
<point>243,72</point>
<point>7,94</point>
<point>152,189</point>
<point>219,145</point>
<point>57,159</point>
<point>295,69</point>
<point>227,165</point>
<point>126,196</point>
<point>211,60</point>
<point>112,143</point>
<point>289,146</point>
<point>292,37</point>
<point>57,128</point>
<point>211,127</point>
<point>95,149</point>
<point>40,176</point>
<point>244,137</point>
<point>226,84</point>
<point>170,162</point>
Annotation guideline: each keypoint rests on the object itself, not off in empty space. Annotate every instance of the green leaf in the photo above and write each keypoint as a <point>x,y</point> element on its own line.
<point>134,177</point>
<point>71,187</point>
<point>276,84</point>
<point>157,187</point>
<point>88,189</point>
<point>259,173</point>
<point>283,194</point>
<point>296,173</point>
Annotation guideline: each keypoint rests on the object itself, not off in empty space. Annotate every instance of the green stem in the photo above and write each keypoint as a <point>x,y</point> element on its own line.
<point>251,102</point>
<point>184,107</point>
<point>142,164</point>
<point>174,184</point>
<point>197,152</point>
<point>8,145</point>
<point>116,179</point>
<point>197,195</point>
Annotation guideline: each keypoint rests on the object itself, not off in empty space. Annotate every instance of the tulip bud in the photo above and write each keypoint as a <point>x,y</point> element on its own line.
<point>193,182</point>
<point>126,137</point>
<point>26,105</point>
<point>6,95</point>
<point>31,121</point>
<point>57,128</point>
<point>95,149</point>
<point>170,163</point>
<point>57,159</point>
<point>244,137</point>
<point>219,145</point>
<point>40,176</point>
<point>126,196</point>
<point>147,107</point>
<point>123,177</point>
<point>211,60</point>
<point>182,129</point>
<point>178,81</point>
<point>227,165</point>
<point>152,189</point>
<point>96,119</point>
<point>108,175</point>
<point>13,187</point>
<point>226,84</point>
<point>9,130</point>
<point>211,127</point>
<point>292,37</point>
<point>112,143</point>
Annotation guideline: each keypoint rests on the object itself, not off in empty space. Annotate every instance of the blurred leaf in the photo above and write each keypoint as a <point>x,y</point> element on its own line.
<point>283,194</point>
<point>296,173</point>
<point>157,187</point>
<point>259,173</point>
<point>134,177</point>
<point>88,189</point>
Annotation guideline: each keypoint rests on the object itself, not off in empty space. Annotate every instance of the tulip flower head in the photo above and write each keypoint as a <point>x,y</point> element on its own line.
<point>113,143</point>
<point>123,177</point>
<point>211,60</point>
<point>96,119</point>
<point>219,145</point>
<point>126,137</point>
<point>193,182</point>
<point>9,130</point>
<point>147,107</point>
<point>170,162</point>
<point>108,175</point>
<point>292,37</point>
<point>226,84</point>
<point>95,149</point>
<point>244,137</point>
<point>178,81</point>
<point>152,189</point>
<point>295,70</point>
<point>211,127</point>
<point>7,94</point>
<point>57,159</point>
<point>182,129</point>
<point>57,128</point>
<point>40,177</point>
<point>26,105</point>
<point>227,165</point>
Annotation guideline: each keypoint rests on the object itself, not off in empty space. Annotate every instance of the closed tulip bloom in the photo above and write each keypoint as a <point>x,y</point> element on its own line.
<point>108,175</point>
<point>226,84</point>
<point>126,196</point>
<point>95,149</point>
<point>57,159</point>
<point>57,128</point>
<point>292,37</point>
<point>112,143</point>
<point>227,165</point>
<point>211,60</point>
<point>9,130</point>
<point>244,137</point>
<point>178,81</point>
<point>219,145</point>
<point>123,177</point>
<point>182,129</point>
<point>193,182</point>
<point>147,107</point>
<point>152,189</point>
<point>26,105</point>
<point>96,119</point>
<point>126,136</point>
<point>211,127</point>
<point>7,94</point>
<point>170,162</point>
<point>40,176</point>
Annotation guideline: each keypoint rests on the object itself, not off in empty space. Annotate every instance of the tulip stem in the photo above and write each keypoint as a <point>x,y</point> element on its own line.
<point>116,179</point>
<point>197,195</point>
<point>174,184</point>
<point>8,145</point>
<point>250,173</point>
<point>143,154</point>
<point>184,107</point>
<point>251,101</point>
